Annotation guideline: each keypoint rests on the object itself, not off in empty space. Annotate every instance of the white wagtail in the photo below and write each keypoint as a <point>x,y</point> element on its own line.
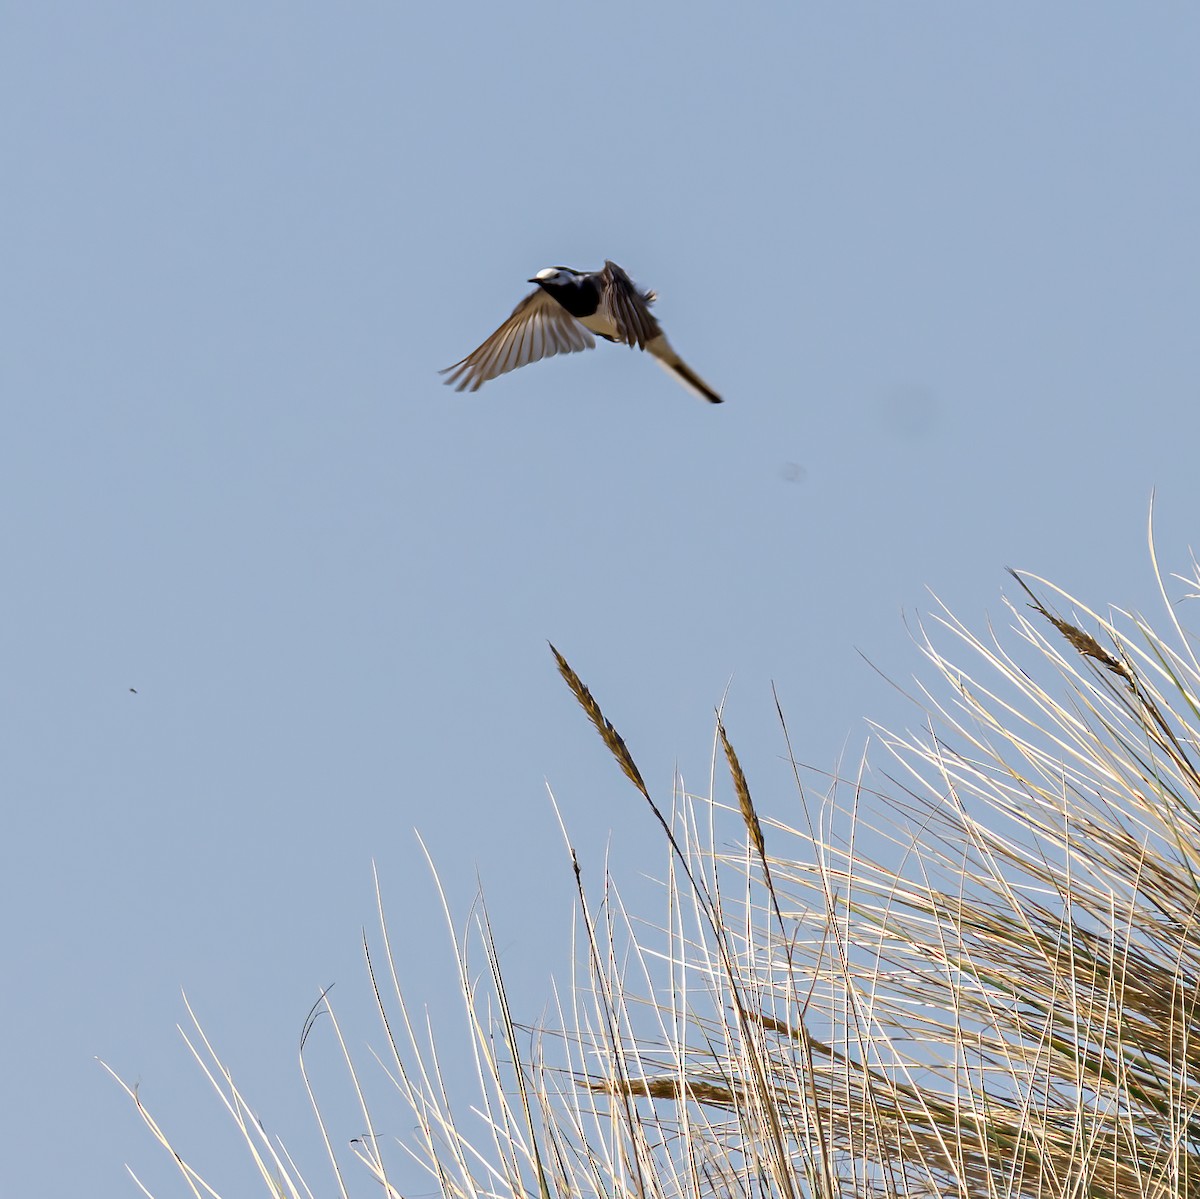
<point>560,318</point>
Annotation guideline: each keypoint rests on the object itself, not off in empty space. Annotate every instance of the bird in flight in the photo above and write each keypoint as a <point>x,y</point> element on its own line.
<point>560,316</point>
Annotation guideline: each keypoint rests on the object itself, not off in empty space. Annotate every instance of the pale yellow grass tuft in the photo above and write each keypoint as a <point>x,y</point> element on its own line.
<point>971,968</point>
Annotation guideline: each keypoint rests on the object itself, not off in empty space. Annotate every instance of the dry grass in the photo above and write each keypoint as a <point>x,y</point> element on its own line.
<point>972,969</point>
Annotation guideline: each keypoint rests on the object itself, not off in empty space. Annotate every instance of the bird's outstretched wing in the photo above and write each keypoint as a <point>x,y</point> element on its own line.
<point>539,327</point>
<point>627,308</point>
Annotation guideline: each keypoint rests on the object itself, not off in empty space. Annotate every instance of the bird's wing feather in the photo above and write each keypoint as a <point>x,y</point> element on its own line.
<point>539,327</point>
<point>628,308</point>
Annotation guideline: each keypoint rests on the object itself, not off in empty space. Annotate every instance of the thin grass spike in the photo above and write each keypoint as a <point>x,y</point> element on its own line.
<point>610,736</point>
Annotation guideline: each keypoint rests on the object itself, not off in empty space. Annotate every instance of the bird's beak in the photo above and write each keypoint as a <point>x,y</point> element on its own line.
<point>535,279</point>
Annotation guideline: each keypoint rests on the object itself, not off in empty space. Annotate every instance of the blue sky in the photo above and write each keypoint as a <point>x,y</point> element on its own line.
<point>942,261</point>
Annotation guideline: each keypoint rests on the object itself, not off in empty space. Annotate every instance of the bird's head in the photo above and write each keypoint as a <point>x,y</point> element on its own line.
<point>554,276</point>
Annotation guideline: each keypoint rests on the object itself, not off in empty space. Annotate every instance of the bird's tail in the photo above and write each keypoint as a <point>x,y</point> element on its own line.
<point>661,348</point>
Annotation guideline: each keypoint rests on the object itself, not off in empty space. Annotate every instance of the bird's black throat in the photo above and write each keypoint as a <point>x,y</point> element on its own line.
<point>580,297</point>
